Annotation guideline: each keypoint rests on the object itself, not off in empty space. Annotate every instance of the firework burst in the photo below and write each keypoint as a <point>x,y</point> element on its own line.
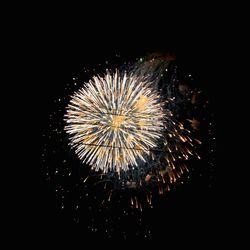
<point>115,121</point>
<point>137,134</point>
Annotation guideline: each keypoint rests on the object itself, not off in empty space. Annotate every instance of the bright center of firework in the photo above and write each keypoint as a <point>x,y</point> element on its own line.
<point>117,121</point>
<point>114,121</point>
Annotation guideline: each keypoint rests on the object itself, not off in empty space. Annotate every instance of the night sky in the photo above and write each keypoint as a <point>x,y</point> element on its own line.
<point>190,209</point>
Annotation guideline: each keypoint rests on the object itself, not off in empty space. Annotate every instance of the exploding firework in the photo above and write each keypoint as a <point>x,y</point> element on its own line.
<point>137,133</point>
<point>115,121</point>
<point>124,128</point>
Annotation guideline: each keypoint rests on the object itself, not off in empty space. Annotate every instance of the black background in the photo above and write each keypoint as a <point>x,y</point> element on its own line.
<point>58,51</point>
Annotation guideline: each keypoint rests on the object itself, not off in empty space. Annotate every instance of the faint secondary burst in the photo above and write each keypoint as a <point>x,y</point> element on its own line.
<point>115,121</point>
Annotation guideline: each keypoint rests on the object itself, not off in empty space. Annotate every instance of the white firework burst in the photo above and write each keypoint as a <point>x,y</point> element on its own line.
<point>114,121</point>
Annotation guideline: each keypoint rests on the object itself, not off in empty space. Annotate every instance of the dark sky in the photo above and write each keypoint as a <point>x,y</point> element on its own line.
<point>61,53</point>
